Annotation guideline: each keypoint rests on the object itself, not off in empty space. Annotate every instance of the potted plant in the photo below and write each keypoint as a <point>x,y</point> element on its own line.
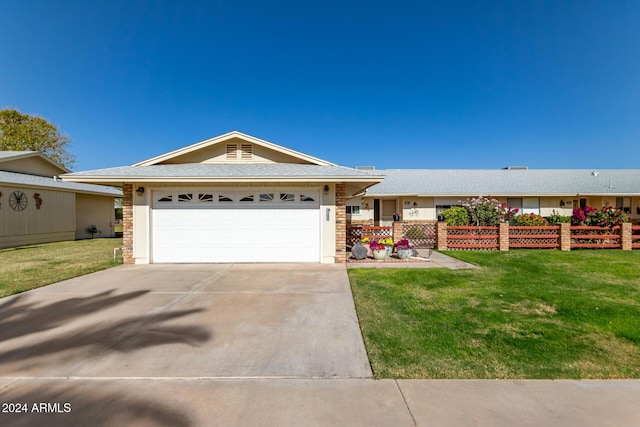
<point>404,249</point>
<point>388,243</point>
<point>378,250</point>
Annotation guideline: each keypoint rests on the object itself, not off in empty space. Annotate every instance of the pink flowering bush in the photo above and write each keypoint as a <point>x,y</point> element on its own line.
<point>608,216</point>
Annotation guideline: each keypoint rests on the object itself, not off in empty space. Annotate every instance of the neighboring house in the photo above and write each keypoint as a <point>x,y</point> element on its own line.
<point>37,207</point>
<point>233,198</point>
<point>422,194</point>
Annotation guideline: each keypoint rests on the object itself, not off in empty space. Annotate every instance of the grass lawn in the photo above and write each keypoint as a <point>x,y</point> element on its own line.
<point>30,267</point>
<point>525,314</point>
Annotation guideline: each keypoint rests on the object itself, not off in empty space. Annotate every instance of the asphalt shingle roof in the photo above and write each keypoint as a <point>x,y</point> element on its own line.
<point>13,178</point>
<point>498,182</point>
<point>204,170</point>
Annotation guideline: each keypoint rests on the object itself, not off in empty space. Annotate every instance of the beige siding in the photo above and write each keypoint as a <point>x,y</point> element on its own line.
<point>94,210</point>
<point>217,154</point>
<point>32,166</point>
<point>55,220</point>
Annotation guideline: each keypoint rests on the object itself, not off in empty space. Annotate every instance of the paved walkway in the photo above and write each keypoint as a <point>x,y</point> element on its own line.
<point>321,402</point>
<point>436,260</point>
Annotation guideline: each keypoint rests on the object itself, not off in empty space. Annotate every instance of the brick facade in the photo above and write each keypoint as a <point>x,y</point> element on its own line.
<point>341,222</point>
<point>127,223</point>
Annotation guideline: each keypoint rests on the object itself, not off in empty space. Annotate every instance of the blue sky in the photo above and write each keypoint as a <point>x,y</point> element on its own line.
<point>447,84</point>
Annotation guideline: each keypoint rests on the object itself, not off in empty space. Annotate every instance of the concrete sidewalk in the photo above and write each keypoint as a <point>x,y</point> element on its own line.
<point>436,260</point>
<point>320,402</point>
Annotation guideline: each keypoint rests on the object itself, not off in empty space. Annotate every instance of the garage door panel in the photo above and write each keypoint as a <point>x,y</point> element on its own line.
<point>236,235</point>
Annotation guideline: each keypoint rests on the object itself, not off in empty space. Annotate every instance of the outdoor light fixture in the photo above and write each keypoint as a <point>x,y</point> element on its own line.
<point>562,203</point>
<point>415,204</point>
<point>326,189</point>
<point>140,191</point>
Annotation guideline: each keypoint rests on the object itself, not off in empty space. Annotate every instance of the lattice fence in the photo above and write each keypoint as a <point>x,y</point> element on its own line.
<point>357,232</point>
<point>420,235</point>
<point>595,237</point>
<point>543,237</point>
<point>482,238</point>
<point>635,237</point>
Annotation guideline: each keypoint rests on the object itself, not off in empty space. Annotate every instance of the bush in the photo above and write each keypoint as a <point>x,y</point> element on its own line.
<point>484,211</point>
<point>530,220</point>
<point>456,216</point>
<point>605,217</point>
<point>555,218</point>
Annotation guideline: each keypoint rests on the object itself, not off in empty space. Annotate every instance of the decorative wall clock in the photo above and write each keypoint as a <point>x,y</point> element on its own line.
<point>18,201</point>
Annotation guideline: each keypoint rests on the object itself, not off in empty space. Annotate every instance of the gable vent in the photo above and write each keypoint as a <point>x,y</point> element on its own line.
<point>232,151</point>
<point>247,151</point>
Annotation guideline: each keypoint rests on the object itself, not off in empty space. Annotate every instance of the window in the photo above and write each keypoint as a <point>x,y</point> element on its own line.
<point>248,198</point>
<point>232,151</point>
<point>186,197</point>
<point>205,197</point>
<point>168,198</point>
<point>287,197</point>
<point>441,208</point>
<point>223,198</point>
<point>266,197</point>
<point>515,203</point>
<point>624,203</point>
<point>304,198</point>
<point>353,210</point>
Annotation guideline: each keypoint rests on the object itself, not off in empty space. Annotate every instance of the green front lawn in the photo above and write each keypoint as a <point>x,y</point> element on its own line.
<point>525,314</point>
<point>29,267</point>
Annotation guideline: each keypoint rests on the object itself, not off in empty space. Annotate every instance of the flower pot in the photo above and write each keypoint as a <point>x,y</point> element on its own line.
<point>405,253</point>
<point>379,254</point>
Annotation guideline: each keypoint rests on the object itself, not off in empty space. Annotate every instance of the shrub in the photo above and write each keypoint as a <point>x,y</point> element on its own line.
<point>456,216</point>
<point>530,220</point>
<point>608,216</point>
<point>483,210</point>
<point>555,218</point>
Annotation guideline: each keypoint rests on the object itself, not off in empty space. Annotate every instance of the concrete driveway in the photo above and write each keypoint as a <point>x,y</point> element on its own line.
<point>187,321</point>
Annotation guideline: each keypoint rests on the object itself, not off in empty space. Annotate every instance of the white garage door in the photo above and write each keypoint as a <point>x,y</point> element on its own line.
<point>236,226</point>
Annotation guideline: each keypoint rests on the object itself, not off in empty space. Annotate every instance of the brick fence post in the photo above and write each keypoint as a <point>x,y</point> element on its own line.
<point>625,236</point>
<point>127,223</point>
<point>565,236</point>
<point>397,231</point>
<point>341,222</point>
<point>441,236</point>
<point>503,236</point>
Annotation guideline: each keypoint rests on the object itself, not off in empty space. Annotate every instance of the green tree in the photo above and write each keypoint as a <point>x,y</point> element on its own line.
<point>24,132</point>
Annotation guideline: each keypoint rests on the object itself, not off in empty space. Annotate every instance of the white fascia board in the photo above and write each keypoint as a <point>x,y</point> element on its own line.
<point>119,180</point>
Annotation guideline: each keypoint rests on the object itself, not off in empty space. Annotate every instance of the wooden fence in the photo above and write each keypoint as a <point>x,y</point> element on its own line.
<point>467,237</point>
<point>534,237</point>
<point>635,237</point>
<point>583,237</point>
<point>503,237</point>
<point>357,232</point>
